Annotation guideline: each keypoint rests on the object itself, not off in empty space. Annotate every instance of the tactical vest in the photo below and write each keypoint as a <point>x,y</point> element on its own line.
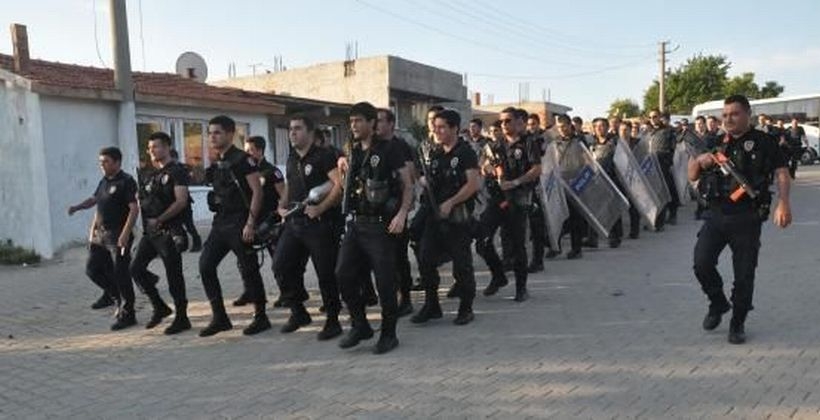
<point>376,189</point>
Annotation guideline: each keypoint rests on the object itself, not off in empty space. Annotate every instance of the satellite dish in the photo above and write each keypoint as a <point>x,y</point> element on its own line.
<point>191,65</point>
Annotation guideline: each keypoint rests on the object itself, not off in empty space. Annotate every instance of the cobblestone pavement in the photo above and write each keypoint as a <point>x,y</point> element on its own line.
<point>614,335</point>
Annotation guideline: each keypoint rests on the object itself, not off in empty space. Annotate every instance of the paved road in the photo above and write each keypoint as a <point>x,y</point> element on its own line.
<point>614,335</point>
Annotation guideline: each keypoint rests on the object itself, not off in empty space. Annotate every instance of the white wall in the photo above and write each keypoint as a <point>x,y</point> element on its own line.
<point>23,195</point>
<point>74,130</point>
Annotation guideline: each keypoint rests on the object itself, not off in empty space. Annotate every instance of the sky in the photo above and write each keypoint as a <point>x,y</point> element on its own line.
<point>582,53</point>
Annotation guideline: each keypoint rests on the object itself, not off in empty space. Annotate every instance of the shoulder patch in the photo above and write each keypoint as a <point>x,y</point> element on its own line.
<point>308,169</point>
<point>748,145</point>
<point>454,162</point>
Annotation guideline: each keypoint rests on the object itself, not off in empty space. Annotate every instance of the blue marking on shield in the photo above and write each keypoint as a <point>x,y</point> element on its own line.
<point>580,182</point>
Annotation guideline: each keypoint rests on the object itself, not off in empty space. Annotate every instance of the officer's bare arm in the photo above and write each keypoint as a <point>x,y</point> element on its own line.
<point>783,212</point>
<point>256,197</point>
<point>180,201</point>
<point>92,227</point>
<point>469,189</point>
<point>86,204</point>
<point>406,188</point>
<point>133,213</point>
<point>703,161</point>
<point>530,176</point>
<point>280,189</point>
<point>335,196</point>
<point>283,200</point>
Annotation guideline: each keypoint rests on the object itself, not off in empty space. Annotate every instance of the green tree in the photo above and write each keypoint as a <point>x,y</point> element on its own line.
<point>705,78</point>
<point>742,85</point>
<point>771,89</point>
<point>625,108</point>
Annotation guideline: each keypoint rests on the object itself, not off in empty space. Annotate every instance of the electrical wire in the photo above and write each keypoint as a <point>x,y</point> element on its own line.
<point>96,37</point>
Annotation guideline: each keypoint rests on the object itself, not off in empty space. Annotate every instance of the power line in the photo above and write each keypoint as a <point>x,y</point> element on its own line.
<point>563,76</point>
<point>96,36</point>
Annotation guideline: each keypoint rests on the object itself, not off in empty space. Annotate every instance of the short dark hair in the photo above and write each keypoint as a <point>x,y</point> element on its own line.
<point>627,124</point>
<point>161,136</point>
<point>521,114</point>
<point>388,114</point>
<point>700,118</point>
<point>510,110</point>
<point>435,108</point>
<point>741,100</point>
<point>364,109</point>
<point>564,118</point>
<point>112,152</point>
<point>309,125</point>
<point>477,121</point>
<point>577,120</point>
<point>534,116</point>
<point>452,118</point>
<point>600,119</point>
<point>258,142</point>
<point>227,123</point>
<point>711,117</point>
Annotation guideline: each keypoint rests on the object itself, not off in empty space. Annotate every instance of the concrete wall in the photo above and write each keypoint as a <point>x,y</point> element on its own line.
<point>422,79</point>
<point>325,82</point>
<point>73,131</point>
<point>23,195</point>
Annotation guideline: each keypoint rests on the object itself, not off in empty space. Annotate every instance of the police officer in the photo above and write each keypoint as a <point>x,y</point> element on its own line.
<point>477,139</point>
<point>603,148</point>
<point>521,166</point>
<point>662,143</point>
<point>575,224</point>
<point>538,228</point>
<point>188,213</point>
<point>385,129</point>
<point>378,195</point>
<point>309,230</point>
<point>110,238</point>
<point>625,135</point>
<point>237,201</point>
<point>451,181</point>
<point>273,185</point>
<point>796,138</point>
<point>163,198</point>
<point>737,213</point>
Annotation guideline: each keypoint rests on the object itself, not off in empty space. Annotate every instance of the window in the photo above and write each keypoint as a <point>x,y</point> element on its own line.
<point>193,134</point>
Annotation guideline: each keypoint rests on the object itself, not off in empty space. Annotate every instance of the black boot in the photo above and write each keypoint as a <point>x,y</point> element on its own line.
<point>219,320</point>
<point>496,283</point>
<point>536,266</point>
<point>242,300</point>
<point>299,317</point>
<point>181,322</point>
<point>387,338</point>
<point>453,292</point>
<point>717,308</point>
<point>574,254</point>
<point>103,302</point>
<point>260,321</point>
<point>521,293</point>
<point>332,327</point>
<point>196,242</point>
<point>551,254</point>
<point>360,329</point>
<point>161,310</point>
<point>430,310</point>
<point>737,333</point>
<point>125,318</point>
<point>465,313</point>
<point>405,306</point>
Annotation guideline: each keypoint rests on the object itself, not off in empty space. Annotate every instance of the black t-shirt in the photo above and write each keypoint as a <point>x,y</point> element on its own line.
<point>377,178</point>
<point>309,171</point>
<point>406,151</point>
<point>228,177</point>
<point>449,169</point>
<point>756,156</point>
<point>269,176</point>
<point>113,196</point>
<point>157,191</point>
<point>795,136</point>
<point>519,158</point>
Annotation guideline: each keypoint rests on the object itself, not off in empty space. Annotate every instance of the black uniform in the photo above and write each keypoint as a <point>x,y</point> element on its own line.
<point>166,241</point>
<point>230,199</point>
<point>303,237</point>
<point>449,238</point>
<point>538,228</point>
<point>518,159</point>
<point>794,138</point>
<point>405,278</point>
<point>604,153</point>
<point>374,197</point>
<point>107,265</point>
<point>735,223</point>
<point>663,145</point>
<point>188,218</point>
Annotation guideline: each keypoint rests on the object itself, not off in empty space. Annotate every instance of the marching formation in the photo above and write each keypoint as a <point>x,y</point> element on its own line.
<point>355,213</point>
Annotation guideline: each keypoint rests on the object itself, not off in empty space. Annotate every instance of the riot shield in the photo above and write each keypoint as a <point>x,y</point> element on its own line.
<point>636,184</point>
<point>589,187</point>
<point>552,197</point>
<point>651,168</point>
<point>680,166</point>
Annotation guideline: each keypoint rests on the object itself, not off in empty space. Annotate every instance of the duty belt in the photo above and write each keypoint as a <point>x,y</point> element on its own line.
<point>364,218</point>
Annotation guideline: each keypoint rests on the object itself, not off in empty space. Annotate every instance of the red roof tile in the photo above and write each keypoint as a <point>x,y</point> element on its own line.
<point>51,73</point>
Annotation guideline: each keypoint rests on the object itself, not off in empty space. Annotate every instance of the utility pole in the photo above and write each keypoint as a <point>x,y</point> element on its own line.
<point>124,83</point>
<point>662,77</point>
